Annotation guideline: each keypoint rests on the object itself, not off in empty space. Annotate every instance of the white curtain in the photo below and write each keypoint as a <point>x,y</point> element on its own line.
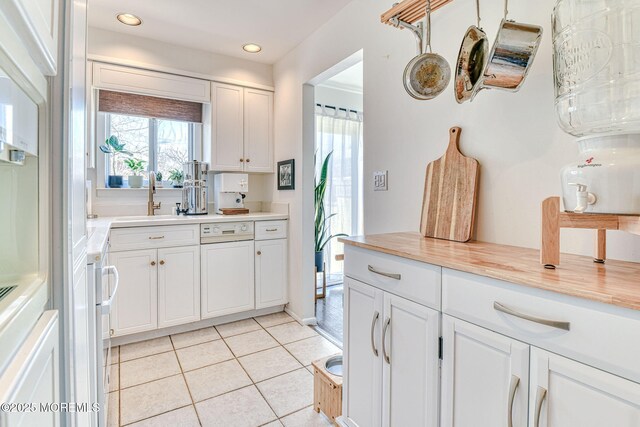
<point>339,130</point>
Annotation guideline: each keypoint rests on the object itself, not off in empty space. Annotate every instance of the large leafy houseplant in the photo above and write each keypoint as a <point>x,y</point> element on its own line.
<point>322,221</point>
<point>113,148</point>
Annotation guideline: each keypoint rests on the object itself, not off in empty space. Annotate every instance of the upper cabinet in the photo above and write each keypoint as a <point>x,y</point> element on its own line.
<point>241,129</point>
<point>36,23</point>
<point>151,83</point>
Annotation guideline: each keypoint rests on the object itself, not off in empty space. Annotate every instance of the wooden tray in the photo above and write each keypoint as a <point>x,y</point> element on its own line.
<point>234,211</point>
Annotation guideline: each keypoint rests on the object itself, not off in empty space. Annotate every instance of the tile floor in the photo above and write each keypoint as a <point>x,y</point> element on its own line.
<point>251,373</point>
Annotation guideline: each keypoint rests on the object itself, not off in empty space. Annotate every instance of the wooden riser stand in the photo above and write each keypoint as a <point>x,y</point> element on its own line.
<point>553,220</point>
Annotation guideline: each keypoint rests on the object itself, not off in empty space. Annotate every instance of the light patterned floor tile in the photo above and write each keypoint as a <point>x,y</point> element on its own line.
<point>148,369</point>
<point>290,332</point>
<point>145,348</point>
<point>273,424</point>
<point>154,398</point>
<point>215,380</point>
<point>251,342</point>
<point>113,415</point>
<point>204,354</point>
<point>239,327</point>
<point>183,417</point>
<point>289,392</point>
<point>199,336</point>
<point>274,319</point>
<point>311,349</point>
<point>307,417</point>
<point>269,363</point>
<point>114,377</point>
<point>240,408</point>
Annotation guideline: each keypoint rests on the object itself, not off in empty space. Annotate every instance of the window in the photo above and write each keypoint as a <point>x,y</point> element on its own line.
<point>163,133</point>
<point>162,144</point>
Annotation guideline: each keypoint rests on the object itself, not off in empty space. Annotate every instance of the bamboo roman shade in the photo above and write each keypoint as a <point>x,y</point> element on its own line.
<point>149,106</point>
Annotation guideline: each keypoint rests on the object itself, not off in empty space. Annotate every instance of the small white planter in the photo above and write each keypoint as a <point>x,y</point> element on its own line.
<point>135,181</point>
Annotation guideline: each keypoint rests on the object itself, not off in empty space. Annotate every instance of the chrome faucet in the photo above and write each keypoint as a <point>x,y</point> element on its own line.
<point>151,206</point>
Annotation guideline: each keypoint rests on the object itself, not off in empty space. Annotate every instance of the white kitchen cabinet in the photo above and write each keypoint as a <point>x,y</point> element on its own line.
<point>271,273</point>
<point>241,129</point>
<point>136,305</point>
<point>34,376</point>
<point>485,377</point>
<point>36,23</point>
<point>567,393</point>
<point>227,278</point>
<point>258,130</point>
<point>151,83</point>
<point>227,131</point>
<point>362,395</point>
<point>391,359</point>
<point>178,285</point>
<point>410,376</point>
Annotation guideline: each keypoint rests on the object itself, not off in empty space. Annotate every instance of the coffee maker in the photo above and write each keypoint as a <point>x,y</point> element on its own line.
<point>194,190</point>
<point>229,190</point>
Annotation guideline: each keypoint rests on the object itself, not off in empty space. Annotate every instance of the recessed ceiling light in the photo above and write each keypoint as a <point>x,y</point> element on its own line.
<point>251,48</point>
<point>129,19</point>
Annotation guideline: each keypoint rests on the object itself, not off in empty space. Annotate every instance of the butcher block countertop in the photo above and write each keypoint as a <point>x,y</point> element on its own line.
<point>616,282</point>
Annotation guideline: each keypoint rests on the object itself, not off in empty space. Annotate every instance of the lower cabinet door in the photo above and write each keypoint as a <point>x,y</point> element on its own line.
<point>227,278</point>
<point>410,378</point>
<point>484,377</point>
<point>136,305</point>
<point>362,354</point>
<point>178,285</point>
<point>567,393</point>
<point>271,273</point>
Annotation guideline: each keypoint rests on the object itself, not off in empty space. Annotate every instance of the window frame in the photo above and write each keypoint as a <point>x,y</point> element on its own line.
<point>103,125</point>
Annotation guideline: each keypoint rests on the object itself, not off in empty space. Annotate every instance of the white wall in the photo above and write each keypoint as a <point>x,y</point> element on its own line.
<point>339,98</point>
<point>513,135</point>
<point>110,44</point>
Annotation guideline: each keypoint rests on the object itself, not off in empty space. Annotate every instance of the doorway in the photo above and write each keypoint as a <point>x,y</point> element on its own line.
<point>338,160</point>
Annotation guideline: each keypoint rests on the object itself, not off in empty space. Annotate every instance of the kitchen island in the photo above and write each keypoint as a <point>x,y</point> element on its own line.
<point>431,325</point>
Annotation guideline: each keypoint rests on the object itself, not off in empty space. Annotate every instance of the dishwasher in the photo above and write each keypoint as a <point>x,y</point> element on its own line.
<point>227,268</point>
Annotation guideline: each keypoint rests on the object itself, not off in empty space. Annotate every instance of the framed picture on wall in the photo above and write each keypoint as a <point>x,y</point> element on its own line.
<point>286,175</point>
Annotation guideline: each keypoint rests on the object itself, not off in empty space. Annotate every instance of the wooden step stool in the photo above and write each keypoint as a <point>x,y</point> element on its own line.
<point>327,391</point>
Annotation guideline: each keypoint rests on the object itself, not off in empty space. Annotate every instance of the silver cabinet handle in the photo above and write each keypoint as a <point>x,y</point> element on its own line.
<point>382,273</point>
<point>553,323</point>
<point>540,396</point>
<point>513,388</point>
<point>384,339</point>
<point>156,237</point>
<point>376,316</point>
<point>272,229</point>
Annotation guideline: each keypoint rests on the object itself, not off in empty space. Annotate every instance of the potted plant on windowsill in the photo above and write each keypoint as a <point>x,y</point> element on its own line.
<point>137,167</point>
<point>176,176</point>
<point>113,148</point>
<point>322,221</point>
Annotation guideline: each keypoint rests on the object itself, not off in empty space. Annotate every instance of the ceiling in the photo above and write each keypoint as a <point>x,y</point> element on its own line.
<point>350,79</point>
<point>220,26</point>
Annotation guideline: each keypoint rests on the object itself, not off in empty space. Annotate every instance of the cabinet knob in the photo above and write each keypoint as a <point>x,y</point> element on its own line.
<point>248,160</point>
<point>153,263</point>
<point>259,252</point>
<point>161,262</point>
<point>241,160</point>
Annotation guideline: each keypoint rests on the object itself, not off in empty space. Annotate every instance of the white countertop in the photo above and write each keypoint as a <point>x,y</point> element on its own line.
<point>99,228</point>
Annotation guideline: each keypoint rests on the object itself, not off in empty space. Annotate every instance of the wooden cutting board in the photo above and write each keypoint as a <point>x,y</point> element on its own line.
<point>234,211</point>
<point>450,194</point>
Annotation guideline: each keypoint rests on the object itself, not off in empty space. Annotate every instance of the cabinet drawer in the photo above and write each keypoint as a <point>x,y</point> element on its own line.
<point>597,334</point>
<point>266,230</point>
<point>413,280</point>
<point>126,239</point>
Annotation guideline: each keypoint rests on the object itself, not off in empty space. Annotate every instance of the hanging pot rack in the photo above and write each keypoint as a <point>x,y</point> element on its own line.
<point>409,11</point>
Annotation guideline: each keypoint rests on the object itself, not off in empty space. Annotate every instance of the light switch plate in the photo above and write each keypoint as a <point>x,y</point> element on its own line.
<point>380,181</point>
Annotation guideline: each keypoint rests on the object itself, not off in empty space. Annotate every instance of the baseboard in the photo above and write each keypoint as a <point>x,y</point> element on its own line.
<point>306,321</point>
<point>157,333</point>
